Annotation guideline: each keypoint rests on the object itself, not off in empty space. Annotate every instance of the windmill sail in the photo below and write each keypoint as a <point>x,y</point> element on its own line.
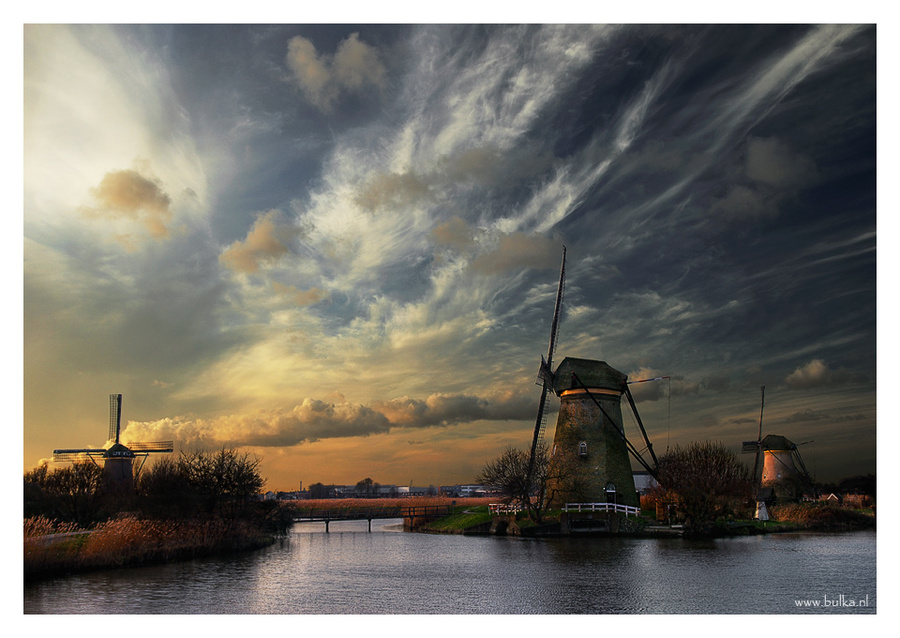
<point>115,449</point>
<point>115,416</point>
<point>545,373</point>
<point>750,447</point>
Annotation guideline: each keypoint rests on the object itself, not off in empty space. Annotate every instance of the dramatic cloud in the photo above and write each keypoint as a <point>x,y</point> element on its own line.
<point>454,233</point>
<point>516,251</point>
<point>300,297</point>
<point>379,211</point>
<point>447,409</point>
<point>313,420</point>
<point>651,385</point>
<point>392,190</point>
<point>773,172</point>
<point>127,194</point>
<point>268,240</point>
<point>322,78</point>
<point>813,374</point>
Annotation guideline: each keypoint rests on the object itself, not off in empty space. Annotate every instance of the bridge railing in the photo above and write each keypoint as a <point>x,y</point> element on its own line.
<point>504,508</point>
<point>628,510</point>
<point>351,514</point>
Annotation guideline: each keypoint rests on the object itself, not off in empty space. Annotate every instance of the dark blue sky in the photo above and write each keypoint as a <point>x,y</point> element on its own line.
<point>339,244</point>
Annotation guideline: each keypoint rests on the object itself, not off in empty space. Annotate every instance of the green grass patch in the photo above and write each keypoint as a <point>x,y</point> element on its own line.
<point>461,520</point>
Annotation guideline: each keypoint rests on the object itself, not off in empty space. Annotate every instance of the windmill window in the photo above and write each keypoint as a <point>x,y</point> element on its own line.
<point>582,448</point>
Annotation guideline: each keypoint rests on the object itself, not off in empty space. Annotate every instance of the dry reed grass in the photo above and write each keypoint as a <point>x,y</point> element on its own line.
<point>51,549</point>
<point>821,516</point>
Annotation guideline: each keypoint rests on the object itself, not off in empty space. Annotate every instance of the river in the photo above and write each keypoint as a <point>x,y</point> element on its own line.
<point>388,571</point>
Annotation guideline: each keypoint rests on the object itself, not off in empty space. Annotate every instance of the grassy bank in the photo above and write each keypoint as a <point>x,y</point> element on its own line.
<point>460,521</point>
<point>53,550</point>
<point>792,517</point>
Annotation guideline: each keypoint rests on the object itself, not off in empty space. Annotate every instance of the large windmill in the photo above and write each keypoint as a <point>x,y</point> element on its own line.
<point>590,454</point>
<point>118,459</point>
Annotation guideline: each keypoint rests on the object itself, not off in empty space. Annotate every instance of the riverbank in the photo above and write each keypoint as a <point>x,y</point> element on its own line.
<point>787,518</point>
<point>51,551</point>
<point>59,549</point>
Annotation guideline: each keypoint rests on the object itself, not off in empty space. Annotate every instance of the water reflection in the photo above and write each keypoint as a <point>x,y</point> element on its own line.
<point>351,571</point>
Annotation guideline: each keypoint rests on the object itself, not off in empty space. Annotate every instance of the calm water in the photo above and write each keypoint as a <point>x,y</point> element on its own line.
<point>350,571</point>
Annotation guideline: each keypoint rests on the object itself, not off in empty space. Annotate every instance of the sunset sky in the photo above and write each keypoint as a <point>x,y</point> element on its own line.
<point>338,246</point>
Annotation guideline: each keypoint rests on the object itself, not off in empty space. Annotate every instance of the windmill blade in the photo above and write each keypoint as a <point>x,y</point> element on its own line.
<point>545,373</point>
<point>749,447</point>
<point>554,326</point>
<point>762,403</point>
<point>115,416</point>
<point>539,426</point>
<point>75,455</point>
<point>643,431</point>
<point>798,461</point>
<point>151,446</point>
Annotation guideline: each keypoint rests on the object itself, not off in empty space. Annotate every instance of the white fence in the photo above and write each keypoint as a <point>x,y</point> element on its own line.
<point>628,510</point>
<point>504,508</point>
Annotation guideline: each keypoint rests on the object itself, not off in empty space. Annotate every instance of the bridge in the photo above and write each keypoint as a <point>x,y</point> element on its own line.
<point>407,513</point>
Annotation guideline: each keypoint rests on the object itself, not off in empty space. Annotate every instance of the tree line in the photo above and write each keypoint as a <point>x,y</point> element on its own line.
<point>196,484</point>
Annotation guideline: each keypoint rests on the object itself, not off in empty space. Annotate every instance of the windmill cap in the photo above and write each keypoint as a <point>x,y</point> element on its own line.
<point>593,374</point>
<point>777,442</point>
<point>118,450</point>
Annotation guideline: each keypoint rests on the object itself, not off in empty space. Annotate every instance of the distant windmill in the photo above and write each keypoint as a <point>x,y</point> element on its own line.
<point>590,447</point>
<point>778,469</point>
<point>118,460</point>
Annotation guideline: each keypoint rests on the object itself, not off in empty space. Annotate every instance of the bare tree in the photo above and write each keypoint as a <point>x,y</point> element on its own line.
<point>509,473</point>
<point>707,481</point>
<point>218,482</point>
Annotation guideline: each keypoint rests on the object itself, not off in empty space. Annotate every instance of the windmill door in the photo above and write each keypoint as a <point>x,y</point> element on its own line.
<point>611,493</point>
